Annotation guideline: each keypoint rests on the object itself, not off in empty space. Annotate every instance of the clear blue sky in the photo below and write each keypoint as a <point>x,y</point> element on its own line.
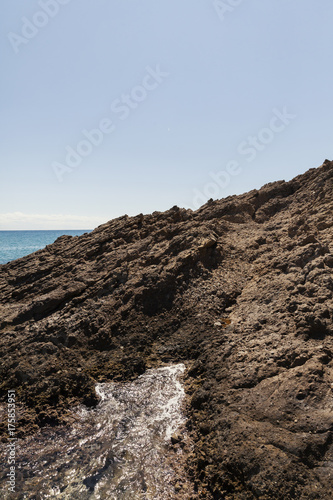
<point>194,99</point>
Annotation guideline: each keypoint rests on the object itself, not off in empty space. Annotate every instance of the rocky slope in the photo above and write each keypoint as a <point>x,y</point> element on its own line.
<point>240,290</point>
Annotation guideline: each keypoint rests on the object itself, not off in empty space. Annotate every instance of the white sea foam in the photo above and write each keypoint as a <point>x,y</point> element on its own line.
<point>115,451</point>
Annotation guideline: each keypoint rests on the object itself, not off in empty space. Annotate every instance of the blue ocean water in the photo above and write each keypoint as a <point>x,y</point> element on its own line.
<point>16,244</point>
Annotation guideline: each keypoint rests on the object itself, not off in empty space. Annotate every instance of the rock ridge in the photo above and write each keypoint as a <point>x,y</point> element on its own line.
<point>239,290</point>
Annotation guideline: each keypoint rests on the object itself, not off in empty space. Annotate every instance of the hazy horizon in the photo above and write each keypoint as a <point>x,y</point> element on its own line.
<point>51,230</point>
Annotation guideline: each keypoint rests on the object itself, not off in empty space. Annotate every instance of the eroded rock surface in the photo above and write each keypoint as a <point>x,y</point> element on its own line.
<point>240,291</point>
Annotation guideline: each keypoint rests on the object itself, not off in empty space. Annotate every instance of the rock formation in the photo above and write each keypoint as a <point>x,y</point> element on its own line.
<point>240,291</point>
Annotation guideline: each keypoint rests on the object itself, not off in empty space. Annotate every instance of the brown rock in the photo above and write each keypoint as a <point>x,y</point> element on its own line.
<point>240,290</point>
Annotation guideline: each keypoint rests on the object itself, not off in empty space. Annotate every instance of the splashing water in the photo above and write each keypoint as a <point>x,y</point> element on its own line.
<point>117,450</point>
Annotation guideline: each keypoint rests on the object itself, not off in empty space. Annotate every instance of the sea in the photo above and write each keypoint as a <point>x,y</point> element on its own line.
<point>17,244</point>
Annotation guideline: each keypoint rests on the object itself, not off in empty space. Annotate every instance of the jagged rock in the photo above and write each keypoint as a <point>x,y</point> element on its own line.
<point>240,290</point>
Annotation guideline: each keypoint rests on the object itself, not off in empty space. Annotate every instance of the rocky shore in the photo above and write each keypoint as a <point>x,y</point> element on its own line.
<point>240,291</point>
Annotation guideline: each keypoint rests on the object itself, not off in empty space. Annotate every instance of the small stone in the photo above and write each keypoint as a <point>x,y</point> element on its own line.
<point>175,438</point>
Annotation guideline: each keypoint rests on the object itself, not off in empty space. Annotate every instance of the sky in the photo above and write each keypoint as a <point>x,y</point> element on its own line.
<point>113,107</point>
